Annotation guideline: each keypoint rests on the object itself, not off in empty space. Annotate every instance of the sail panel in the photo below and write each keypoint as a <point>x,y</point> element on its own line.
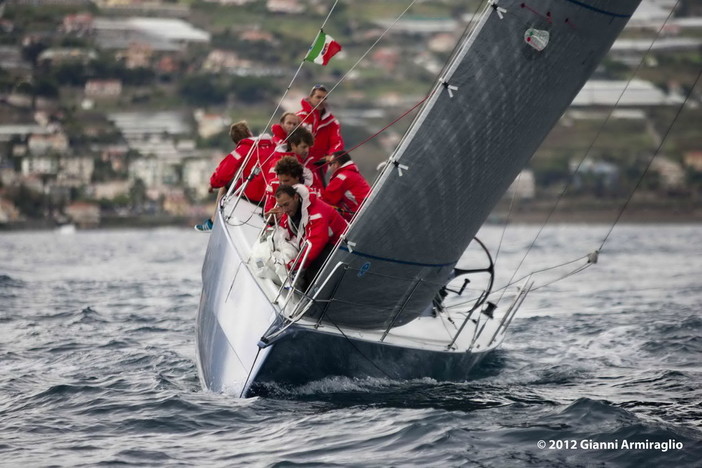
<point>500,97</point>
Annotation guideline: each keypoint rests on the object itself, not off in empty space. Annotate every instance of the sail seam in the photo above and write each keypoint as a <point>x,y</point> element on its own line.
<point>599,10</point>
<point>392,260</point>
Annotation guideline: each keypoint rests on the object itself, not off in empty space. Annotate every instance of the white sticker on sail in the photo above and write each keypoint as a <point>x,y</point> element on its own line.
<point>536,38</point>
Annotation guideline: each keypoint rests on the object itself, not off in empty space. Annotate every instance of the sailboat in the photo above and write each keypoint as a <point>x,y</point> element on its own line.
<point>389,301</point>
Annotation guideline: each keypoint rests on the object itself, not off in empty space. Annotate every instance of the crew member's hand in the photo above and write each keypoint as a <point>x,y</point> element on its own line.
<point>275,211</point>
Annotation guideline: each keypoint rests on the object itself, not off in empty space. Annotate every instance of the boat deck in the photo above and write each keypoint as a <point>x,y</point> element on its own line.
<point>244,224</point>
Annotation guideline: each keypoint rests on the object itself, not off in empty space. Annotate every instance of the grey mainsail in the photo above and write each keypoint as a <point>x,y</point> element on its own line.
<point>505,87</point>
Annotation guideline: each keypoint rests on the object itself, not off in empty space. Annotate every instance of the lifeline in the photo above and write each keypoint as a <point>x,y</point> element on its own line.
<point>670,444</point>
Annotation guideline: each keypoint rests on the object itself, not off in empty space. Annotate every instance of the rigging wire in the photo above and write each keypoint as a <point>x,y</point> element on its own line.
<point>373,363</point>
<point>650,161</point>
<point>587,153</point>
<point>542,270</point>
<point>509,216</point>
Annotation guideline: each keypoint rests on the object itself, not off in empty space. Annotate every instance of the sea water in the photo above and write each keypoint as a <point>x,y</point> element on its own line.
<point>98,366</point>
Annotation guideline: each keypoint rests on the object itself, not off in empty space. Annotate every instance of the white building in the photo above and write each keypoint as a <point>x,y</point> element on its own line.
<point>524,186</point>
<point>111,189</point>
<point>197,172</point>
<point>160,34</point>
<point>40,144</point>
<point>622,93</point>
<point>76,170</point>
<point>32,165</point>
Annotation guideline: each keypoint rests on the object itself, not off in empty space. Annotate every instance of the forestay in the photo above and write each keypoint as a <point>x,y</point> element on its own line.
<point>505,87</point>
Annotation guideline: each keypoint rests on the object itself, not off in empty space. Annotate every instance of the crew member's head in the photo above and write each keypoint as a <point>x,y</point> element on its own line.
<point>338,159</point>
<point>318,97</point>
<point>300,141</point>
<point>289,121</point>
<point>289,170</point>
<point>288,199</point>
<point>239,130</point>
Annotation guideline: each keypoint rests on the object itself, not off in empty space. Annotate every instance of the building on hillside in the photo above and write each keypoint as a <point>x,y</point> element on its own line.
<point>197,172</point>
<point>52,143</point>
<point>136,56</point>
<point>75,171</point>
<point>209,125</point>
<point>257,35</point>
<point>103,89</point>
<point>231,2</point>
<point>285,6</point>
<point>442,42</point>
<point>161,34</point>
<point>693,160</point>
<point>155,173</point>
<point>386,57</point>
<point>175,202</point>
<point>109,190</point>
<point>8,212</point>
<point>524,186</point>
<point>11,59</point>
<point>634,93</point>
<point>420,25</point>
<point>60,55</point>
<point>672,174</point>
<point>144,7</point>
<point>80,24</point>
<point>39,165</point>
<point>136,126</point>
<point>84,214</point>
<point>22,131</point>
<point>594,174</point>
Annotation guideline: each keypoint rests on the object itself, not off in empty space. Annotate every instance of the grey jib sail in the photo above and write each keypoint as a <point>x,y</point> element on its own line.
<point>501,93</point>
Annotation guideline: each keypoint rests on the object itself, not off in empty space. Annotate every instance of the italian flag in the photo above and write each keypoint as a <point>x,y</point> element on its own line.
<point>323,49</point>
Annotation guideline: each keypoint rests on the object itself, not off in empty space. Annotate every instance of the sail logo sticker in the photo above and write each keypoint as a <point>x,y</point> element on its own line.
<point>536,38</point>
<point>362,271</point>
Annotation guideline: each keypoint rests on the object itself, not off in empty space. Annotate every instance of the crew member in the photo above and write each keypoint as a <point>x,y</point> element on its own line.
<point>306,218</point>
<point>325,128</point>
<point>258,150</point>
<point>347,188</point>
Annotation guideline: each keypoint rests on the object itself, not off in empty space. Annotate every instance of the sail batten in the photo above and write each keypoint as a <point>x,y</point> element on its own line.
<point>490,110</point>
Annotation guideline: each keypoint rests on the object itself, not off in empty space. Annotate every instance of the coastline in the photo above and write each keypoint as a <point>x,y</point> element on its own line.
<point>600,212</point>
<point>524,213</point>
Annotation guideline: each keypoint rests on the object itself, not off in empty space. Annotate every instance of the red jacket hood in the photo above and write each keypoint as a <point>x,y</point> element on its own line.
<point>279,132</point>
<point>308,108</point>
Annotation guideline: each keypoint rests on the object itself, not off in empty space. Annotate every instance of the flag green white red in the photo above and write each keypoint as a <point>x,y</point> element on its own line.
<point>323,49</point>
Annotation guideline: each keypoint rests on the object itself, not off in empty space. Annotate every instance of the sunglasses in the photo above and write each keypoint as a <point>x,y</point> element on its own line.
<point>318,87</point>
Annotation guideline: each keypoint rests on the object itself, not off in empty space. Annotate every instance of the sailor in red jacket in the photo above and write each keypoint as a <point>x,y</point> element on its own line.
<point>288,171</point>
<point>298,145</point>
<point>347,189</point>
<point>288,122</point>
<point>259,148</point>
<point>324,126</point>
<point>306,218</point>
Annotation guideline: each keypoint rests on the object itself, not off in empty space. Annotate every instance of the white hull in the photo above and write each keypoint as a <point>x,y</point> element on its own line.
<point>237,309</point>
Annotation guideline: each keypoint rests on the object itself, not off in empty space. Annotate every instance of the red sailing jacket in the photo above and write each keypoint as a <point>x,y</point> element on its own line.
<point>346,190</point>
<point>279,133</point>
<point>312,181</point>
<point>320,225</point>
<point>227,169</point>
<point>324,127</point>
